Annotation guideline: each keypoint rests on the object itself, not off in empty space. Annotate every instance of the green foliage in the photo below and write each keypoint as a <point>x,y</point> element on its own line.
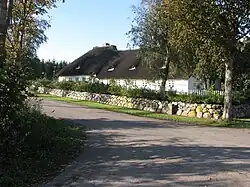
<point>27,29</point>
<point>208,98</point>
<point>96,87</point>
<point>13,83</point>
<point>65,85</point>
<point>38,147</point>
<point>151,32</point>
<point>45,69</point>
<point>215,31</point>
<point>144,93</point>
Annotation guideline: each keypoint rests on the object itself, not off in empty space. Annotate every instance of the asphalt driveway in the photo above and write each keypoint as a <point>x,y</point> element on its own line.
<point>129,151</point>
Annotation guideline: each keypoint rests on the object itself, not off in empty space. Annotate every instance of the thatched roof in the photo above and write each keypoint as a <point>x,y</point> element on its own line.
<point>89,63</point>
<point>109,63</point>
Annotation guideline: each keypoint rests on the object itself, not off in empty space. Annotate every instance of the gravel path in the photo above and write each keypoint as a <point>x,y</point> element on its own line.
<point>129,151</point>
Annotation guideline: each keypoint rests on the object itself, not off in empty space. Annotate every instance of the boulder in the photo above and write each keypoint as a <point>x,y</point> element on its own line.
<point>185,113</point>
<point>211,111</point>
<point>192,114</point>
<point>199,115</point>
<point>203,105</point>
<point>209,106</point>
<point>205,110</point>
<point>198,109</point>
<point>179,113</point>
<point>207,115</point>
<point>217,116</point>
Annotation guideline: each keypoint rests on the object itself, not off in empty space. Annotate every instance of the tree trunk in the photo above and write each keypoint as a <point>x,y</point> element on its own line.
<point>227,113</point>
<point>3,30</point>
<point>165,78</point>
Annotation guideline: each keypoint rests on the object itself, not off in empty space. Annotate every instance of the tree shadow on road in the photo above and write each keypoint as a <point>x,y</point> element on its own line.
<point>112,158</point>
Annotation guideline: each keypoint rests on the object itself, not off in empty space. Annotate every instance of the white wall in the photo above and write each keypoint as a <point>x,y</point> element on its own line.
<point>73,78</point>
<point>172,84</point>
<point>177,85</point>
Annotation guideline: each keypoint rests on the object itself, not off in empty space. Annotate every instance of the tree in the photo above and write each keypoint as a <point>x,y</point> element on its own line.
<point>242,70</point>
<point>213,23</point>
<point>151,32</point>
<point>21,20</point>
<point>5,16</point>
<point>27,29</point>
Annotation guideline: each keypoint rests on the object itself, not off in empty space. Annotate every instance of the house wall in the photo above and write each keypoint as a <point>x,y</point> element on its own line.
<point>177,85</point>
<point>171,84</point>
<point>73,78</point>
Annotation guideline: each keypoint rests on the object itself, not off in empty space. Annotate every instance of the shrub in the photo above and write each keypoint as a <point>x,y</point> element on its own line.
<point>171,96</point>
<point>96,88</point>
<point>144,93</point>
<point>40,146</point>
<point>13,84</point>
<point>65,85</point>
<point>241,97</point>
<point>115,89</point>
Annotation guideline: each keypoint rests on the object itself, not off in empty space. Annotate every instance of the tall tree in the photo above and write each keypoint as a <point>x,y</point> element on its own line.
<point>5,15</point>
<point>151,32</point>
<point>21,21</point>
<point>214,23</point>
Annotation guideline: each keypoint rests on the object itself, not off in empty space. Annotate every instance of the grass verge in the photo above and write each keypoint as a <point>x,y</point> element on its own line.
<point>141,113</point>
<point>43,147</point>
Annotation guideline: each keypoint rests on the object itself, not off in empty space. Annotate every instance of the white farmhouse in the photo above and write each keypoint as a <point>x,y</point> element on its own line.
<point>106,63</point>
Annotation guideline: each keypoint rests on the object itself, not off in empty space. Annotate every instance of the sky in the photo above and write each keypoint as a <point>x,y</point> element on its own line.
<point>79,25</point>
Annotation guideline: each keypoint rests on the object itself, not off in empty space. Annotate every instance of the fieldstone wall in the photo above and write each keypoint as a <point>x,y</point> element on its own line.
<point>200,110</point>
<point>136,103</point>
<point>209,111</point>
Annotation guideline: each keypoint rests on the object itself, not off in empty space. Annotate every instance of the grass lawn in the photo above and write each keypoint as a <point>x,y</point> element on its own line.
<point>46,149</point>
<point>141,113</point>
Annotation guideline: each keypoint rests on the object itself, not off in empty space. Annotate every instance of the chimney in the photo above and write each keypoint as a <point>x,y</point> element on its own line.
<point>106,45</point>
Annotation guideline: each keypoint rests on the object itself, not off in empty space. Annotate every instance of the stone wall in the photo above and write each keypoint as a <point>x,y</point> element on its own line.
<point>200,110</point>
<point>136,103</point>
<point>209,111</point>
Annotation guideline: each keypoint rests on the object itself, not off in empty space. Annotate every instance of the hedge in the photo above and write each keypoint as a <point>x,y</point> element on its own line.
<point>112,88</point>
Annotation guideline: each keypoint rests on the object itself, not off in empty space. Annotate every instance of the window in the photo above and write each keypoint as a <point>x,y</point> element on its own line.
<point>77,78</point>
<point>132,68</point>
<point>111,69</point>
<point>78,67</point>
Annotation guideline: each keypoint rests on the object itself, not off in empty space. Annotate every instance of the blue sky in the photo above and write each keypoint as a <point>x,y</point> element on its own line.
<point>79,25</point>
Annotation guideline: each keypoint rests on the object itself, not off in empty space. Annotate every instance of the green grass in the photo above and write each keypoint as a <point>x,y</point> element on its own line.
<point>41,153</point>
<point>141,113</point>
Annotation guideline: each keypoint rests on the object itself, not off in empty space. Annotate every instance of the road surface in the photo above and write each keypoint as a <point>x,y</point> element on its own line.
<point>129,151</point>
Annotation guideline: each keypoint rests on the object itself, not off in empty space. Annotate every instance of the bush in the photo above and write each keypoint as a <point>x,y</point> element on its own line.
<point>31,144</point>
<point>171,96</point>
<point>114,89</point>
<point>13,84</point>
<point>96,88</point>
<point>40,146</point>
<point>241,97</point>
<point>144,93</point>
<point>65,85</point>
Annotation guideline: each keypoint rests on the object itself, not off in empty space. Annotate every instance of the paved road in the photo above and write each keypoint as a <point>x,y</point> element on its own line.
<point>129,151</point>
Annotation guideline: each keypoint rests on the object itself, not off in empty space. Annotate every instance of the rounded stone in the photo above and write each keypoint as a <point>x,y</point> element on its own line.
<point>198,109</point>
<point>192,114</point>
<point>207,115</point>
